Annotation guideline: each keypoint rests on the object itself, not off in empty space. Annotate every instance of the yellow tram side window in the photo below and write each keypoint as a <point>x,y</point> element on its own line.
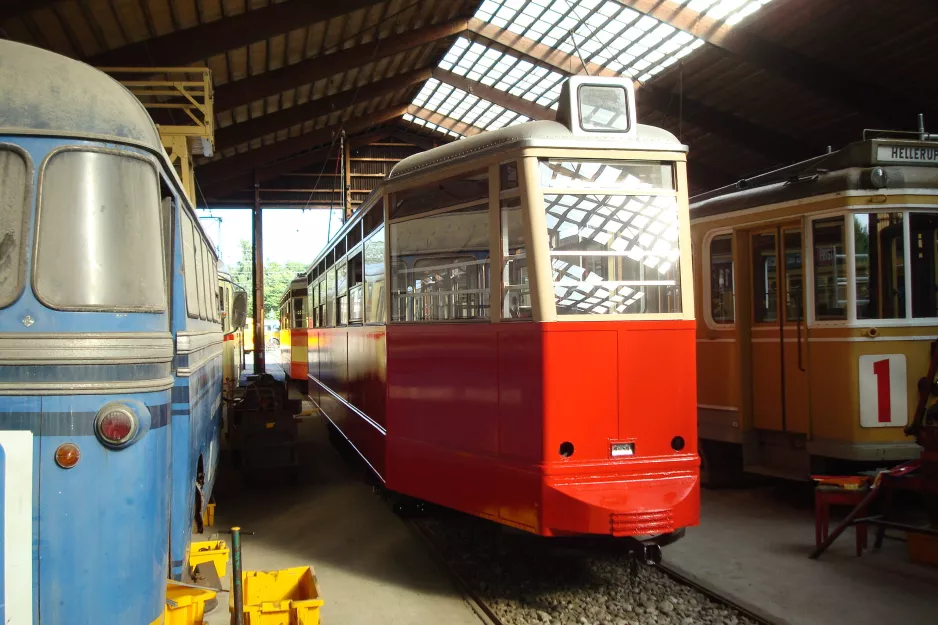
<point>722,294</point>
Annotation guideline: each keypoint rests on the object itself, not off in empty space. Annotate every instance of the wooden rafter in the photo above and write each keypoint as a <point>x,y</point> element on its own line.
<point>880,102</point>
<point>270,83</point>
<point>13,8</point>
<point>217,171</point>
<point>495,95</point>
<point>247,131</point>
<point>467,130</point>
<point>184,47</point>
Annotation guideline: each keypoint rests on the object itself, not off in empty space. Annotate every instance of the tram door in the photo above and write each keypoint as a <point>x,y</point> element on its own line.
<point>779,337</point>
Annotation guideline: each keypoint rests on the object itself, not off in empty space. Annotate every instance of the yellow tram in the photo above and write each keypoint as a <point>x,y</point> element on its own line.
<point>293,333</point>
<point>817,301</point>
<point>233,308</point>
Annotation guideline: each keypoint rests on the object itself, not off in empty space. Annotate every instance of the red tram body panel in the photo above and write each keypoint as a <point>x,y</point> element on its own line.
<point>473,416</point>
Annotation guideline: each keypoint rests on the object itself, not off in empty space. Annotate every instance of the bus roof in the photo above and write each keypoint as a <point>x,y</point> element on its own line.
<point>539,134</point>
<point>50,94</point>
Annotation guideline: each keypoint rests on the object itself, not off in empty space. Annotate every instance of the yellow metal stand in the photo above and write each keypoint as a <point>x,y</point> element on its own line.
<point>178,89</point>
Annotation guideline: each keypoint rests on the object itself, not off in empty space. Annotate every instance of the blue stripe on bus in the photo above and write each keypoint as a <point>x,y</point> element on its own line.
<point>70,423</point>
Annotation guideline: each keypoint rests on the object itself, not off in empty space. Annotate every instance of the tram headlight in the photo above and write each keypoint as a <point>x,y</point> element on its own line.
<point>116,425</point>
<point>878,177</point>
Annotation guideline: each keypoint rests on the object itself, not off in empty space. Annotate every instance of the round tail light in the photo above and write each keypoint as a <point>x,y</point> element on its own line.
<point>115,425</point>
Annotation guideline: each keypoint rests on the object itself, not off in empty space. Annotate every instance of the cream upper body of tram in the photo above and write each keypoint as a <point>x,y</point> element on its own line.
<point>817,300</point>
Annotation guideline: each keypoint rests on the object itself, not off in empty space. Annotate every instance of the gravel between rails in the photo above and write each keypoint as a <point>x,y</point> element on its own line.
<point>523,579</point>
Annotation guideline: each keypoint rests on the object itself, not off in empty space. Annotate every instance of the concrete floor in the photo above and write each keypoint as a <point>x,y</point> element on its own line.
<point>755,543</point>
<point>371,569</point>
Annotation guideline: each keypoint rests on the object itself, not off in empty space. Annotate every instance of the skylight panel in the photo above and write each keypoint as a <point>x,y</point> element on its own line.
<point>602,32</point>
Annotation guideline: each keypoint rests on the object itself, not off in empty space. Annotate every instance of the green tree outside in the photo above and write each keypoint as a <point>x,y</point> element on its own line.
<point>277,278</point>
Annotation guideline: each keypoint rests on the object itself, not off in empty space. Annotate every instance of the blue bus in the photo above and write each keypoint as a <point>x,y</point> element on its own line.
<point>110,350</point>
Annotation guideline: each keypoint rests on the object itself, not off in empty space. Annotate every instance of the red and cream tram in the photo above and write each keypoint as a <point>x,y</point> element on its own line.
<point>557,395</point>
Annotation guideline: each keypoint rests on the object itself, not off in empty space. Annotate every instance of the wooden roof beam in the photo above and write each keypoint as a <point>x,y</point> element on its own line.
<point>187,46</point>
<point>220,177</point>
<point>14,8</point>
<point>887,105</point>
<point>467,130</point>
<point>497,96</point>
<point>247,90</point>
<point>419,141</point>
<point>247,131</point>
<point>733,127</point>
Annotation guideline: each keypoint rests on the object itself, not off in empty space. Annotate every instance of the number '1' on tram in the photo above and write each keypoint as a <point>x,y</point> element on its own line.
<point>506,326</point>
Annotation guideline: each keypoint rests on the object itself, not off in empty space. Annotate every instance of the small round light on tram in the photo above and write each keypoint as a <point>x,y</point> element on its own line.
<point>115,425</point>
<point>67,455</point>
<point>878,177</point>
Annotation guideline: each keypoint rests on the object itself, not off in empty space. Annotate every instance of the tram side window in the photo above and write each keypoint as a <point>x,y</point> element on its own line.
<point>764,279</point>
<point>449,259</point>
<point>375,281</point>
<point>299,312</point>
<point>722,296</point>
<point>13,225</point>
<point>99,245</point>
<point>516,292</point>
<point>923,228</point>
<point>199,262</point>
<point>880,265</point>
<point>464,189</point>
<point>207,266</point>
<point>356,289</point>
<point>330,297</point>
<point>830,270</point>
<point>189,267</point>
<point>341,296</point>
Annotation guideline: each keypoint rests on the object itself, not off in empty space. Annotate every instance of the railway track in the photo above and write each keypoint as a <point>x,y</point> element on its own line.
<point>510,578</point>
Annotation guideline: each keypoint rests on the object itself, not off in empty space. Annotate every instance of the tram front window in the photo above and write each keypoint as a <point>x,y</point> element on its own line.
<point>100,245</point>
<point>613,252</point>
<point>12,225</point>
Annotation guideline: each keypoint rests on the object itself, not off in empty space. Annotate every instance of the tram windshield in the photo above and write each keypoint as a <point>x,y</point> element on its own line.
<point>613,228</point>
<point>100,244</point>
<point>12,226</point>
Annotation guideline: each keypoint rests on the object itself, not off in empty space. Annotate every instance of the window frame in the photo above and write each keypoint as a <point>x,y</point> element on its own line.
<point>706,279</point>
<point>846,213</point>
<point>545,308</point>
<point>34,260</point>
<point>29,193</point>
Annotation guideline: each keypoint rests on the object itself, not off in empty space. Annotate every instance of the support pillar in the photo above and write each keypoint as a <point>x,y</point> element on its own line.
<point>257,249</point>
<point>347,183</point>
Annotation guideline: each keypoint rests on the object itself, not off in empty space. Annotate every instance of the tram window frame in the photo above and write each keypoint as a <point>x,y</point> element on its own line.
<point>403,290</point>
<point>9,204</point>
<point>925,250</point>
<point>341,292</point>
<point>724,320</point>
<point>206,282</point>
<point>465,189</point>
<point>843,314</point>
<point>354,236</point>
<point>73,280</point>
<point>376,284</point>
<point>199,270</point>
<point>373,219</point>
<point>356,286</point>
<point>189,266</point>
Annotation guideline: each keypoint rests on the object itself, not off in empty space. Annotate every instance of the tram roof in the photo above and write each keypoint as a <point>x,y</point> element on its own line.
<point>904,162</point>
<point>50,94</point>
<point>543,134</point>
